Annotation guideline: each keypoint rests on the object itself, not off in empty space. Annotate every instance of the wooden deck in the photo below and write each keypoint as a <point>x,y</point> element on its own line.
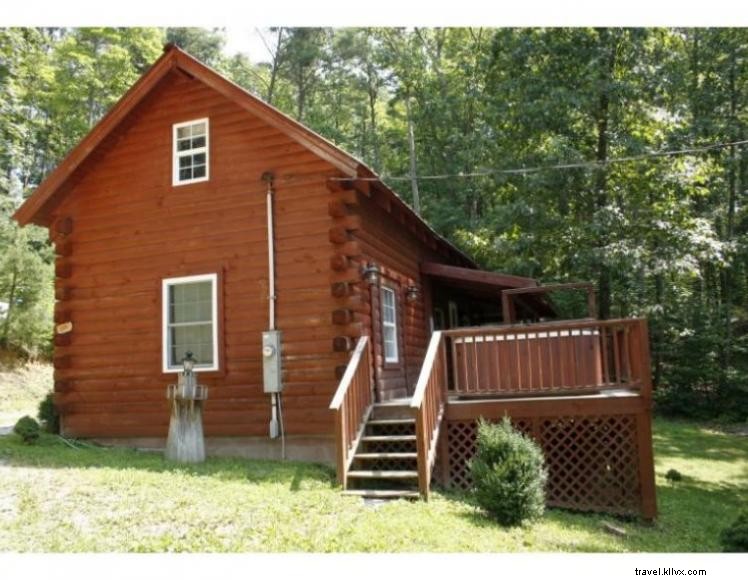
<point>580,388</point>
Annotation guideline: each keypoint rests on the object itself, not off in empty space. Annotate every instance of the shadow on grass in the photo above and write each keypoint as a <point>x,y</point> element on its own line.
<point>52,453</point>
<point>691,515</point>
<point>690,441</point>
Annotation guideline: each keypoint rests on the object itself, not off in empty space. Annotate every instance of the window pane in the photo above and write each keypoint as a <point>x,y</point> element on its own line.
<point>390,343</point>
<point>388,305</point>
<point>191,302</point>
<point>389,325</point>
<point>188,139</point>
<point>197,339</point>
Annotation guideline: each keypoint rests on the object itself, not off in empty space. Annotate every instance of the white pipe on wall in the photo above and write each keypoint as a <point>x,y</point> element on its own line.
<point>276,407</point>
<point>271,253</point>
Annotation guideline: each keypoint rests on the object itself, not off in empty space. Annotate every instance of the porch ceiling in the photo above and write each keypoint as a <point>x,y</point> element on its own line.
<point>487,285</point>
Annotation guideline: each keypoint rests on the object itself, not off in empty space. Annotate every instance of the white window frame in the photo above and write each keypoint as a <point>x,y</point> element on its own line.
<point>393,325</point>
<point>166,347</point>
<point>177,155</point>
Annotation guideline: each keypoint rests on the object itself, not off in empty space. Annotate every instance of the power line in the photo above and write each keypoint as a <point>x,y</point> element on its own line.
<point>556,167</point>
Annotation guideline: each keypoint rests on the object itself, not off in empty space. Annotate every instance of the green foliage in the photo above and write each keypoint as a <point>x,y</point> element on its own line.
<point>734,538</point>
<point>27,429</point>
<point>665,238</point>
<point>509,474</point>
<point>204,44</point>
<point>26,275</point>
<point>48,415</point>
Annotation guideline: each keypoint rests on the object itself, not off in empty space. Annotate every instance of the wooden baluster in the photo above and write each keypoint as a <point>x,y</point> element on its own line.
<point>528,361</point>
<point>497,349</point>
<point>604,354</point>
<point>517,365</point>
<point>456,367</point>
<point>476,380</point>
<point>626,352</point>
<point>561,359</point>
<point>574,359</point>
<point>616,355</point>
<point>342,451</point>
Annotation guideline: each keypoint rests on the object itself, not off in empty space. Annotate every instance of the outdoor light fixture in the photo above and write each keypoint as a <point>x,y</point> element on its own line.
<point>412,293</point>
<point>188,362</point>
<point>371,273</point>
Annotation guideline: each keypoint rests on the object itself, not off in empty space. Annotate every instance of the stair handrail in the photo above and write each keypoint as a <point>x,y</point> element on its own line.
<point>428,404</point>
<point>352,404</point>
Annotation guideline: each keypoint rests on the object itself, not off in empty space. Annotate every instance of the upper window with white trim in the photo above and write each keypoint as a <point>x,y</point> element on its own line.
<point>190,308</point>
<point>389,325</point>
<point>191,152</point>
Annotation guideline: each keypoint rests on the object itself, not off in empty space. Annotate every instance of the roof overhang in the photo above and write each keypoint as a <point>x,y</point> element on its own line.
<point>36,208</point>
<point>478,279</point>
<point>40,205</point>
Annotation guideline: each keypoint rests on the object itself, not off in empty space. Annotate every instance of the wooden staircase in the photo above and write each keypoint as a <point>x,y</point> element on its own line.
<point>385,460</point>
<point>388,450</point>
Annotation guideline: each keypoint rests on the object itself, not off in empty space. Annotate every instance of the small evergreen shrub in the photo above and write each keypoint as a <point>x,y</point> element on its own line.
<point>673,475</point>
<point>48,415</point>
<point>509,474</point>
<point>27,429</point>
<point>734,538</point>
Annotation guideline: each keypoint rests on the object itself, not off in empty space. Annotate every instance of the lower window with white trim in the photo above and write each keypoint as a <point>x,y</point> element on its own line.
<point>389,325</point>
<point>190,320</point>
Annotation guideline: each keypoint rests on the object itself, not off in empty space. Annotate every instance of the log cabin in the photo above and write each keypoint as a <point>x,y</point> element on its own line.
<point>329,321</point>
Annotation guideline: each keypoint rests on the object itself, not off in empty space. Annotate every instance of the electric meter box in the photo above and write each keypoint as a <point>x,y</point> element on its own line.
<point>271,361</point>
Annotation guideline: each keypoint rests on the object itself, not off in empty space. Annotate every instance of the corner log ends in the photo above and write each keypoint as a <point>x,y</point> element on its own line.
<point>345,262</point>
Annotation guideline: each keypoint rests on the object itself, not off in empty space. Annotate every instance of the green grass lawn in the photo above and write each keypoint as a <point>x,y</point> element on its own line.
<point>54,498</point>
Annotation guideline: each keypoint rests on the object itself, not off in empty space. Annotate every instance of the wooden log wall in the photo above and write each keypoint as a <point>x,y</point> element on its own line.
<point>390,238</point>
<point>123,228</point>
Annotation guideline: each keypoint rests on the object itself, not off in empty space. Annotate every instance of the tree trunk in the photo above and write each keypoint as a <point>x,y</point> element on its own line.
<point>413,163</point>
<point>601,155</point>
<point>730,222</point>
<point>277,61</point>
<point>11,302</point>
<point>373,127</point>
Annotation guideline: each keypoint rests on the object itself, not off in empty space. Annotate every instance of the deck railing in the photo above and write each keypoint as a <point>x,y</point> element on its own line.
<point>563,357</point>
<point>428,404</point>
<point>352,405</point>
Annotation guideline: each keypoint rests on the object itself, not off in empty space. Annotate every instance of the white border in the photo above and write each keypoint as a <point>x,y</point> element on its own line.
<point>165,283</point>
<point>175,181</point>
<point>393,324</point>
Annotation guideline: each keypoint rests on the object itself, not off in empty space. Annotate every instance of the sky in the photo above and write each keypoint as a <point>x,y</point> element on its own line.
<point>248,41</point>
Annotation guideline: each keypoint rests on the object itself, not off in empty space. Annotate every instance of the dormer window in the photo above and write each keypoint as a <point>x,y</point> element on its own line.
<point>191,154</point>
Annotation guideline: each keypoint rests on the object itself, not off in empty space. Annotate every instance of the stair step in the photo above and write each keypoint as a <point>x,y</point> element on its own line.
<point>385,455</point>
<point>382,493</point>
<point>402,402</point>
<point>384,474</point>
<point>388,438</point>
<point>391,422</point>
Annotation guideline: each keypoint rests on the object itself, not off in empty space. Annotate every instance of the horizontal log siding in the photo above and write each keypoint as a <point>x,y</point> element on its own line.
<point>399,251</point>
<point>131,229</point>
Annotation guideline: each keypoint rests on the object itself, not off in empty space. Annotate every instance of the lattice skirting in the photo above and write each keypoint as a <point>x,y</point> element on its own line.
<point>593,460</point>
